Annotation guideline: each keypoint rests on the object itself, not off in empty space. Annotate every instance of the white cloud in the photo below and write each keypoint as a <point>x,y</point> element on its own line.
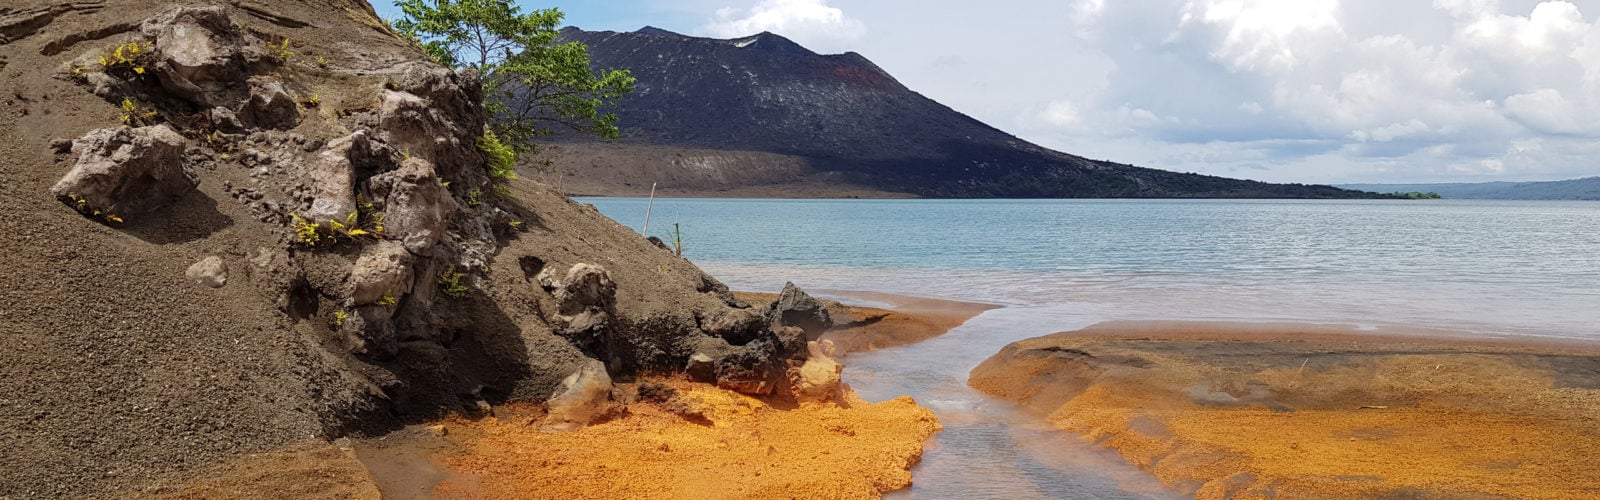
<point>1505,93</point>
<point>1280,90</point>
<point>812,23</point>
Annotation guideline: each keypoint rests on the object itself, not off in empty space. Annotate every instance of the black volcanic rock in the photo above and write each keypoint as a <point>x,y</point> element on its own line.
<point>852,121</point>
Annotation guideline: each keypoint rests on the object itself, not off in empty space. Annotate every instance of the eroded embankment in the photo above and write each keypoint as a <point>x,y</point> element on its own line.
<point>1295,410</point>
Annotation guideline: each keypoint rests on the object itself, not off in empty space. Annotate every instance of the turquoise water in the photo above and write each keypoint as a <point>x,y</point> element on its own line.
<point>1482,266</point>
<point>1489,268</point>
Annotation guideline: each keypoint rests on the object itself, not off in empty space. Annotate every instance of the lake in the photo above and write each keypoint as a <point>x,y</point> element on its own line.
<point>1489,268</point>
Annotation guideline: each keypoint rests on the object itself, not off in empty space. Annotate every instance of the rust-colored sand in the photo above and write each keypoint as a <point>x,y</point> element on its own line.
<point>908,320</point>
<point>1319,412</point>
<point>749,450</point>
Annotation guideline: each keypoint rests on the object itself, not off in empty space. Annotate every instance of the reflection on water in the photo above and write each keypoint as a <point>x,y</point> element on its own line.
<point>1495,268</point>
<point>991,448</point>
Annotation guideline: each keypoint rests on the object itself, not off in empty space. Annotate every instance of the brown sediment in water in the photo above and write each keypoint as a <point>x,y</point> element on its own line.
<point>1227,410</point>
<point>908,319</point>
<point>745,448</point>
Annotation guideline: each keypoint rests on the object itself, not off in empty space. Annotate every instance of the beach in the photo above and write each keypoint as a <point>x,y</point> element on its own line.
<point>1225,410</point>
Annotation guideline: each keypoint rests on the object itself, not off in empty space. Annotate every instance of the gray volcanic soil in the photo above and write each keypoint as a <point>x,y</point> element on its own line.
<point>117,372</point>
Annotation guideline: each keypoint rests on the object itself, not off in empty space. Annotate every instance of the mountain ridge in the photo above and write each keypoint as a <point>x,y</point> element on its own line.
<point>1582,188</point>
<point>844,118</point>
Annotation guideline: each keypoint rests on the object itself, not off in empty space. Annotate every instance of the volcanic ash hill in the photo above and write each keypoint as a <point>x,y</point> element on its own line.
<point>236,226</point>
<point>763,116</point>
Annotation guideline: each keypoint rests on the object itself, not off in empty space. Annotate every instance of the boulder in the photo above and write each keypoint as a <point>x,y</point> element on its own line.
<point>371,331</point>
<point>328,180</point>
<point>126,171</point>
<point>416,207</point>
<point>701,368</point>
<point>587,286</point>
<point>432,112</point>
<point>795,308</point>
<point>409,125</point>
<point>737,326</point>
<point>384,268</point>
<point>818,379</point>
<point>749,369</point>
<point>211,272</point>
<point>582,399</point>
<point>269,106</point>
<point>201,55</point>
<point>790,343</point>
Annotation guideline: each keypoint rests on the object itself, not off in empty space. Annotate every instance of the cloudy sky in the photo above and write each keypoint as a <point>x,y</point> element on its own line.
<point>1323,91</point>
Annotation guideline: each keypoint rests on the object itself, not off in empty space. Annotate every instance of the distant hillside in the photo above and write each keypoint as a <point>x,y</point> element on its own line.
<point>764,115</point>
<point>1587,188</point>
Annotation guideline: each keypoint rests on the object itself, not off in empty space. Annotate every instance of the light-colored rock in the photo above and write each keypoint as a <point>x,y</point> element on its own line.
<point>582,398</point>
<point>432,113</point>
<point>416,206</point>
<point>329,179</point>
<point>439,430</point>
<point>210,271</point>
<point>818,379</point>
<point>384,269</point>
<point>409,125</point>
<point>201,53</point>
<point>269,106</point>
<point>547,278</point>
<point>586,286</point>
<point>126,170</point>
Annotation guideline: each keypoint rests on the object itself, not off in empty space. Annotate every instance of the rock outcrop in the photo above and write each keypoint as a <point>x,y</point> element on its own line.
<point>818,379</point>
<point>583,398</point>
<point>798,309</point>
<point>126,171</point>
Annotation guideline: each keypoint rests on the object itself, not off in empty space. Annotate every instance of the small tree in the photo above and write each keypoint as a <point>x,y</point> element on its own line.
<point>531,83</point>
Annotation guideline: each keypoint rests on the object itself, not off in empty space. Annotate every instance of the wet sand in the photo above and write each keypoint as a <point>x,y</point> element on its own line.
<point>901,320</point>
<point>1259,410</point>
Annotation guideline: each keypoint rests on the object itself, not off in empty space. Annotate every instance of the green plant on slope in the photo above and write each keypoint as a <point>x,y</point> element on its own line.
<point>531,83</point>
<point>135,115</point>
<point>501,164</point>
<point>366,221</point>
<point>450,283</point>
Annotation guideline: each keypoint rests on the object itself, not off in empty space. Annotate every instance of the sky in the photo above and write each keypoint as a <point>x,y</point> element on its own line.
<point>1315,91</point>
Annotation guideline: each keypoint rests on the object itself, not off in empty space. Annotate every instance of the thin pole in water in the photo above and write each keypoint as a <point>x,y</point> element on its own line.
<point>647,208</point>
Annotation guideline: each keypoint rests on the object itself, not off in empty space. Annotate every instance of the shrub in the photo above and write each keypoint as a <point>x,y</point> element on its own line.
<point>450,283</point>
<point>134,115</point>
<point>365,221</point>
<point>502,164</point>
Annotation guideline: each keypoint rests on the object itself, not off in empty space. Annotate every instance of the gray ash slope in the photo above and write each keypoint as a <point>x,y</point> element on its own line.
<point>852,121</point>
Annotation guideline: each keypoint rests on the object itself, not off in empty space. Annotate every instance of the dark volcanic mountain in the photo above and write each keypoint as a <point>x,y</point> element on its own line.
<point>715,115</point>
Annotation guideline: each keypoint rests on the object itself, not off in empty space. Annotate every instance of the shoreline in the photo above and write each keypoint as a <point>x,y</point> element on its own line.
<point>846,448</point>
<point>904,319</point>
<point>1224,409</point>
